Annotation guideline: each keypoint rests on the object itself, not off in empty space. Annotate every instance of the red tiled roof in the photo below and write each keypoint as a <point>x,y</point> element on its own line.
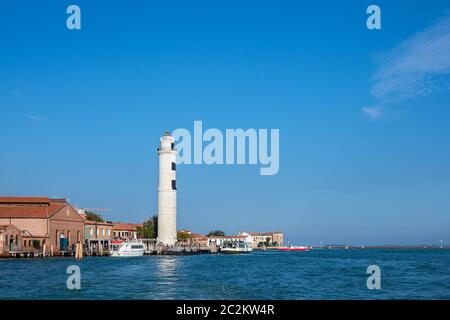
<point>29,207</point>
<point>193,235</point>
<point>198,236</point>
<point>19,200</point>
<point>42,212</point>
<point>98,223</point>
<point>126,226</point>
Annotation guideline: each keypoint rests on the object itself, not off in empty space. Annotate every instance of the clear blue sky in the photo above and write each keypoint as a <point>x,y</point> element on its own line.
<point>363,115</point>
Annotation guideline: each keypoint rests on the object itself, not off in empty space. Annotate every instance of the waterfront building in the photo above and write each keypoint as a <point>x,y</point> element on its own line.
<point>42,220</point>
<point>10,239</point>
<point>274,239</point>
<point>278,238</point>
<point>199,240</point>
<point>167,191</point>
<point>98,233</point>
<point>126,231</point>
<point>195,239</point>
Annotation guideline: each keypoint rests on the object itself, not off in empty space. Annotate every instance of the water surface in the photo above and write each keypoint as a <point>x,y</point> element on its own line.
<point>318,274</point>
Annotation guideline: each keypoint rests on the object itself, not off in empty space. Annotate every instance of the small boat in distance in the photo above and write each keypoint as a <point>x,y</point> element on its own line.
<point>294,248</point>
<point>121,248</point>
<point>241,247</point>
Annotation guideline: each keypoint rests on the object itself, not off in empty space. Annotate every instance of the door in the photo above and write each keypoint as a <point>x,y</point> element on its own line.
<point>63,244</point>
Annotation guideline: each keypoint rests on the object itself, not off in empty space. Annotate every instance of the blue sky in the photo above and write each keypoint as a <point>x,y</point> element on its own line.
<point>363,115</point>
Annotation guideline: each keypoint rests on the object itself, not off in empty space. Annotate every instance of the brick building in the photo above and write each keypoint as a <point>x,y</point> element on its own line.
<point>42,220</point>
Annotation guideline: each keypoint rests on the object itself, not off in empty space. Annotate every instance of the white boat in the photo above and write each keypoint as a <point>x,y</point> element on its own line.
<point>121,248</point>
<point>294,248</point>
<point>240,247</point>
<point>291,247</point>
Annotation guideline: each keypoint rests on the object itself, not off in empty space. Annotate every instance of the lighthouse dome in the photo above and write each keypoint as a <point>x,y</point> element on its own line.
<point>166,142</point>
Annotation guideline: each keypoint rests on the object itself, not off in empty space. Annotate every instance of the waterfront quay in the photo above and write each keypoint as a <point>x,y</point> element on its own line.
<point>36,227</point>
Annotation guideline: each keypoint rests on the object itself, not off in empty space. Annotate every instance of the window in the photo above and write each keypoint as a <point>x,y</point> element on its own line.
<point>109,232</point>
<point>103,232</point>
<point>24,243</point>
<point>174,166</point>
<point>91,231</point>
<point>174,185</point>
<point>172,145</point>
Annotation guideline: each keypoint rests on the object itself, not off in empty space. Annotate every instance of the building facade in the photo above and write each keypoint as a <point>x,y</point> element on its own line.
<point>10,239</point>
<point>42,220</point>
<point>94,230</point>
<point>278,238</point>
<point>199,240</point>
<point>259,239</point>
<point>126,231</point>
<point>98,234</point>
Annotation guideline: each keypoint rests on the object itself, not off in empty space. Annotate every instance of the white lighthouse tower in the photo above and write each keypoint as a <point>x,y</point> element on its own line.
<point>167,191</point>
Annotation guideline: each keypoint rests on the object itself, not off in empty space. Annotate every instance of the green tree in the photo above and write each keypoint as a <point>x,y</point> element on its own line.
<point>92,216</point>
<point>216,233</point>
<point>183,236</point>
<point>149,228</point>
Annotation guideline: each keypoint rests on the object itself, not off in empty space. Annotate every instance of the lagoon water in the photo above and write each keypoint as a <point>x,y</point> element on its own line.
<point>318,274</point>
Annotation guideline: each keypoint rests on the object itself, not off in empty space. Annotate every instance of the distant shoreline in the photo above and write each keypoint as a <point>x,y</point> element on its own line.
<point>331,247</point>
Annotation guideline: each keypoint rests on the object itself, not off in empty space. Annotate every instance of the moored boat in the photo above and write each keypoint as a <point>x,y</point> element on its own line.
<point>121,248</point>
<point>241,247</point>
